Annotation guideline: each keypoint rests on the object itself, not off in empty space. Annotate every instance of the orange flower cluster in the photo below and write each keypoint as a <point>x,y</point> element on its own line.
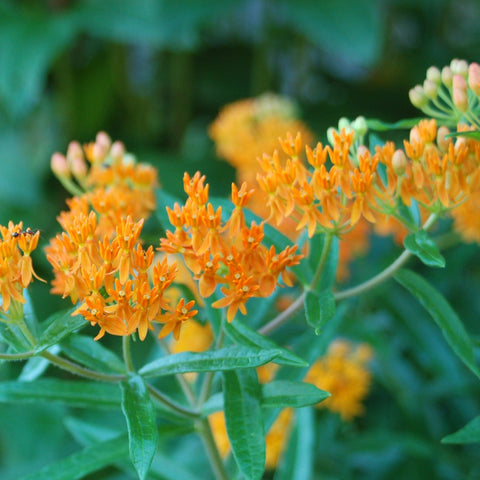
<point>345,183</point>
<point>110,277</point>
<point>343,372</point>
<point>228,253</point>
<point>245,129</point>
<point>114,185</point>
<point>16,270</point>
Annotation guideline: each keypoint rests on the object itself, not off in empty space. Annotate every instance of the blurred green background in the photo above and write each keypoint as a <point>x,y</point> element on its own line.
<point>154,74</point>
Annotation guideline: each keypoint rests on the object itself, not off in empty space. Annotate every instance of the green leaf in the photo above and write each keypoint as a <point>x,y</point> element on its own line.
<point>229,358</point>
<point>84,462</point>
<point>474,134</point>
<point>29,314</point>
<point>285,393</point>
<point>241,333</point>
<point>60,325</point>
<point>244,420</point>
<point>329,272</point>
<point>380,126</point>
<point>142,429</point>
<point>85,350</point>
<point>443,314</point>
<point>30,41</point>
<point>421,245</point>
<point>297,462</point>
<point>353,30</point>
<point>470,433</point>
<point>319,308</point>
<point>13,337</point>
<point>76,393</point>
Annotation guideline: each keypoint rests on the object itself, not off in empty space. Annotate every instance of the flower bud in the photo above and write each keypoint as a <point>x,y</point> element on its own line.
<point>344,123</point>
<point>474,78</point>
<point>74,150</point>
<point>59,165</point>
<point>118,150</point>
<point>417,97</point>
<point>443,142</point>
<point>78,167</point>
<point>103,139</point>
<point>414,136</point>
<point>360,126</point>
<point>430,88</point>
<point>434,75</point>
<point>330,135</point>
<point>459,67</point>
<point>447,76</point>
<point>459,93</point>
<point>399,162</point>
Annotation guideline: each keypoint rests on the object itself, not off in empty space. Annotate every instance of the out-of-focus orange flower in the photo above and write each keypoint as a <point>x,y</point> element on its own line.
<point>225,252</point>
<point>16,269</point>
<point>343,372</point>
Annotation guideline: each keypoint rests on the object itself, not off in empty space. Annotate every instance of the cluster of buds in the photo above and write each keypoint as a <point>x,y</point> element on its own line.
<point>227,253</point>
<point>450,95</point>
<point>16,270</point>
<point>108,179</point>
<point>110,277</point>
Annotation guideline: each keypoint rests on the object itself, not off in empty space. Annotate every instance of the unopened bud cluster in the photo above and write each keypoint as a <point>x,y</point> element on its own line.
<point>451,95</point>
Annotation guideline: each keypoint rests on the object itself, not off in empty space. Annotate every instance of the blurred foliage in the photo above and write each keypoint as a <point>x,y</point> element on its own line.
<point>154,73</point>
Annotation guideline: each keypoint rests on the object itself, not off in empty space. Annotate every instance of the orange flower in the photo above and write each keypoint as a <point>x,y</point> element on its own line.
<point>174,320</point>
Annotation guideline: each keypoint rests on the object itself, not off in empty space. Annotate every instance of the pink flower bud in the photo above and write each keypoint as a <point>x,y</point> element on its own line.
<point>74,150</point>
<point>118,150</point>
<point>103,139</point>
<point>59,165</point>
<point>474,78</point>
<point>79,167</point>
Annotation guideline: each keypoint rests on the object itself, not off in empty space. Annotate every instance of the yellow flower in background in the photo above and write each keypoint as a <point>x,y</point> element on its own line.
<point>275,439</point>
<point>246,129</point>
<point>343,372</point>
<point>195,338</point>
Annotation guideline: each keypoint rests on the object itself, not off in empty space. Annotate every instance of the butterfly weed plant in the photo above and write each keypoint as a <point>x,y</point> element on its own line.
<point>225,277</point>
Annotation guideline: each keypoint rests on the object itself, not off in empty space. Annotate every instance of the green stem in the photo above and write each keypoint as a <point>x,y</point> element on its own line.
<point>127,356</point>
<point>284,316</point>
<point>171,404</point>
<point>81,371</point>
<point>17,356</point>
<point>207,380</point>
<point>216,462</point>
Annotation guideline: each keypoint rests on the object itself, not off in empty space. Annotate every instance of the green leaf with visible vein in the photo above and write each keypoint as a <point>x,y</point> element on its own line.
<point>443,314</point>
<point>229,358</point>
<point>470,433</point>
<point>241,333</point>
<point>85,350</point>
<point>421,245</point>
<point>60,325</point>
<point>84,462</point>
<point>76,393</point>
<point>244,420</point>
<point>142,429</point>
<point>286,393</point>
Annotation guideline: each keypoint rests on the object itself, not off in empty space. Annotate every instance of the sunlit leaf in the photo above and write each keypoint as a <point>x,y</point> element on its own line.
<point>285,393</point>
<point>470,433</point>
<point>421,245</point>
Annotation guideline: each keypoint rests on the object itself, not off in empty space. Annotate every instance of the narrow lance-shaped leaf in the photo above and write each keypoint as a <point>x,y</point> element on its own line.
<point>470,433</point>
<point>241,333</point>
<point>76,393</point>
<point>443,314</point>
<point>61,324</point>
<point>84,462</point>
<point>244,420</point>
<point>36,366</point>
<point>228,358</point>
<point>142,429</point>
<point>285,393</point>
